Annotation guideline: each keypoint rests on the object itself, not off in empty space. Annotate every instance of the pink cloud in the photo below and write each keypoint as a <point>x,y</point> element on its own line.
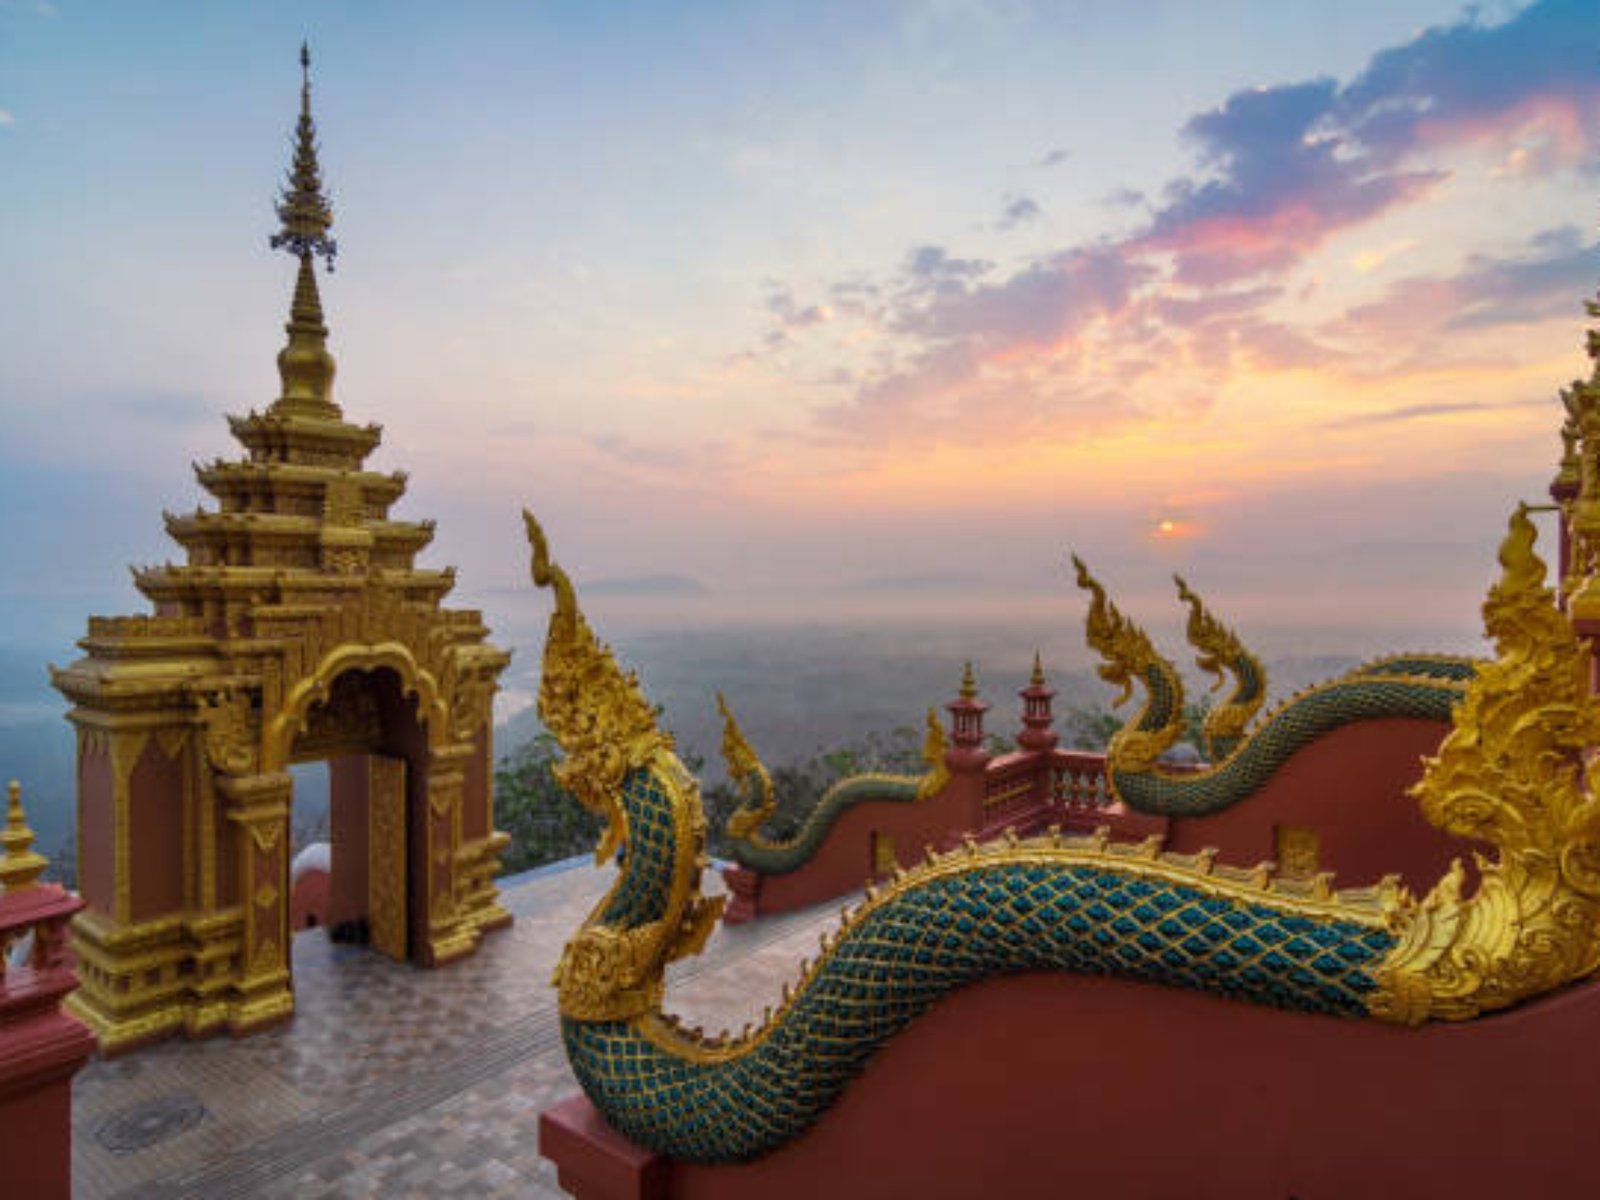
<point>1067,341</point>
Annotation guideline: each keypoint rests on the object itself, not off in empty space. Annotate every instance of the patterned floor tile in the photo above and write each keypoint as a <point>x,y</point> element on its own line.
<point>392,1081</point>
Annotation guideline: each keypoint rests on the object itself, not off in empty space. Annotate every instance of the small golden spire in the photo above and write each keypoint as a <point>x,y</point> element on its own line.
<point>305,365</point>
<point>20,867</point>
<point>1037,679</point>
<point>969,683</point>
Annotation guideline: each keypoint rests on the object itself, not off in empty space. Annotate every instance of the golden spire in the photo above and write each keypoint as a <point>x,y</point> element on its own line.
<point>19,866</point>
<point>969,683</point>
<point>1037,678</point>
<point>305,365</point>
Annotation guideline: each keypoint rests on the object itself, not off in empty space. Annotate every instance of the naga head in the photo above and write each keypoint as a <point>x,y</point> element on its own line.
<point>934,744</point>
<point>1217,645</point>
<point>1126,648</point>
<point>593,707</point>
<point>1511,772</point>
<point>746,770</point>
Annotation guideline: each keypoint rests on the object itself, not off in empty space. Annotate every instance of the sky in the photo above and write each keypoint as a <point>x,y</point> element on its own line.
<point>820,306</point>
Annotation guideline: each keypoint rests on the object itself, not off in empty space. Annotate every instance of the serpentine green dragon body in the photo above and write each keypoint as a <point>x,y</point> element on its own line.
<point>1402,685</point>
<point>1067,904</point>
<point>746,843</point>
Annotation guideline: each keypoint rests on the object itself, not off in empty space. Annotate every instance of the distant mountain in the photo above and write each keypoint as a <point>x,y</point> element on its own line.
<point>941,581</point>
<point>646,585</point>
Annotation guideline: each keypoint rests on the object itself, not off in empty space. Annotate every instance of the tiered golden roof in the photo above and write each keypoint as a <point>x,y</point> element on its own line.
<point>265,647</point>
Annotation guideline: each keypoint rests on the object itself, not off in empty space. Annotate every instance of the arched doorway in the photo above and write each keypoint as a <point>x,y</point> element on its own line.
<point>367,730</point>
<point>185,817</point>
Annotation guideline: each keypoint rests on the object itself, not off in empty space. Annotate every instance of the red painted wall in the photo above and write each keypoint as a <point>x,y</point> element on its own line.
<point>155,833</point>
<point>1350,786</point>
<point>1051,1085</point>
<point>97,867</point>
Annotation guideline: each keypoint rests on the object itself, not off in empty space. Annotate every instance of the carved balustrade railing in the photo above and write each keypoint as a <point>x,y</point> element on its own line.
<point>1078,785</point>
<point>44,975</point>
<point>1017,792</point>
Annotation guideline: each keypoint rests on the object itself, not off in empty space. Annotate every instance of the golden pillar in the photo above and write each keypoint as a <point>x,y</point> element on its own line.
<point>257,809</point>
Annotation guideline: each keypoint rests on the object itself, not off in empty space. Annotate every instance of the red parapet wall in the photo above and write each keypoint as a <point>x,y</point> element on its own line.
<point>41,1047</point>
<point>1062,1086</point>
<point>1348,789</point>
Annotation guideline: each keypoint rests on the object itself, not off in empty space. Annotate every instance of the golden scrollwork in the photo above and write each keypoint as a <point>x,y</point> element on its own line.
<point>1129,657</point>
<point>232,738</point>
<point>386,855</point>
<point>1511,772</point>
<point>1220,652</point>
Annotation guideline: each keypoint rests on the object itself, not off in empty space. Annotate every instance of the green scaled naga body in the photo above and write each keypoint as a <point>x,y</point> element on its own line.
<point>1426,686</point>
<point>745,841</point>
<point>1062,904</point>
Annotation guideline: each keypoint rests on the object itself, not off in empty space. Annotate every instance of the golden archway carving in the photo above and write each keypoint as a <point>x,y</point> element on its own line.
<point>433,709</point>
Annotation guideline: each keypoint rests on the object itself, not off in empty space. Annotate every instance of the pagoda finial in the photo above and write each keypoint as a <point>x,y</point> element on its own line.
<point>19,865</point>
<point>305,365</point>
<point>304,210</point>
<point>1037,678</point>
<point>969,683</point>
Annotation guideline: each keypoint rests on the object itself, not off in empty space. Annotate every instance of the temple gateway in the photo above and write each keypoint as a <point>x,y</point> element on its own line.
<point>299,630</point>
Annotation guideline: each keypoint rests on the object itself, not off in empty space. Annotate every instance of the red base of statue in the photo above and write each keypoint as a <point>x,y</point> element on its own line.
<point>1051,1085</point>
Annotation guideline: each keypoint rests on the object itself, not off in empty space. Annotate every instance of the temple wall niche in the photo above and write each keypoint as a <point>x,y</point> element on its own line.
<point>156,795</point>
<point>97,821</point>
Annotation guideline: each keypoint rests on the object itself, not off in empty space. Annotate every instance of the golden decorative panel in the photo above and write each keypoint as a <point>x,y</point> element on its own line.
<point>1298,850</point>
<point>386,854</point>
<point>883,856</point>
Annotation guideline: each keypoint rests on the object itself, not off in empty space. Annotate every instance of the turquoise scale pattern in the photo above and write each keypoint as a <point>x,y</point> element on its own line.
<point>1162,703</point>
<point>1353,698</point>
<point>1463,670</point>
<point>779,859</point>
<point>650,854</point>
<point>950,931</point>
<point>1248,691</point>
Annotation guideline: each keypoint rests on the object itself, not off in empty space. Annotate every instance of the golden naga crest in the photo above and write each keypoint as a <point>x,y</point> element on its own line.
<point>1130,657</point>
<point>595,710</point>
<point>934,744</point>
<point>607,729</point>
<point>746,769</point>
<point>1512,772</point>
<point>1219,651</point>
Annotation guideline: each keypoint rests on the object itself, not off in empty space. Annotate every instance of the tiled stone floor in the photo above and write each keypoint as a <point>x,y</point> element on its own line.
<point>392,1081</point>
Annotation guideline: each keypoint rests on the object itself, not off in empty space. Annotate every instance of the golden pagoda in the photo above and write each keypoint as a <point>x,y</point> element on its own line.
<point>299,629</point>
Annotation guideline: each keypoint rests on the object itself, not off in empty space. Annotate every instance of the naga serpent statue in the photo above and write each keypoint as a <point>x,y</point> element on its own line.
<point>1222,653</point>
<point>745,769</point>
<point>1403,685</point>
<point>1510,773</point>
